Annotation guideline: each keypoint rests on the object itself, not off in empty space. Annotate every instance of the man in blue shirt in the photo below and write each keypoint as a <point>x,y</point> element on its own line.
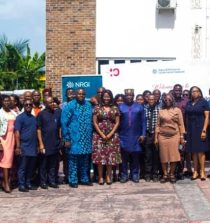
<point>49,137</point>
<point>132,131</point>
<point>26,146</point>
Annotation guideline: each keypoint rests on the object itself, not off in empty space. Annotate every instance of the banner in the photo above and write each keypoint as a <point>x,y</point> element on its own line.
<point>90,83</point>
<point>156,75</point>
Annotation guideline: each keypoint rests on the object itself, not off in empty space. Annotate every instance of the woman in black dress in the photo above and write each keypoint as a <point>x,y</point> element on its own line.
<point>197,118</point>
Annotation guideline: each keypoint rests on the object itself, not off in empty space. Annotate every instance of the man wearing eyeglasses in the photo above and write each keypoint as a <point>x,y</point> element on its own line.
<point>26,146</point>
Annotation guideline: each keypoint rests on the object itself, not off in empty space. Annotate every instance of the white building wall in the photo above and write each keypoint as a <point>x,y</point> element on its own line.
<point>134,28</point>
<point>207,36</point>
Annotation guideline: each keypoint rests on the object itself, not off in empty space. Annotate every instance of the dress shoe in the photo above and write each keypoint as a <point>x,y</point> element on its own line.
<point>155,178</point>
<point>44,186</point>
<point>202,176</point>
<point>123,180</point>
<point>7,191</point>
<point>108,180</point>
<point>172,179</point>
<point>5,188</point>
<point>23,189</point>
<point>135,180</point>
<point>86,183</point>
<point>195,176</point>
<point>53,185</point>
<point>31,187</point>
<point>101,182</point>
<point>73,185</point>
<point>164,179</point>
<point>147,178</point>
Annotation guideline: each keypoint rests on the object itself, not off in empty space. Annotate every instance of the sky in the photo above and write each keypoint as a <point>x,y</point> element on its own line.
<point>24,19</point>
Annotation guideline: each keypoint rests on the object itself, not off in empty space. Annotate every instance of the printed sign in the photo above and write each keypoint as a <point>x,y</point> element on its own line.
<point>156,75</point>
<point>90,83</point>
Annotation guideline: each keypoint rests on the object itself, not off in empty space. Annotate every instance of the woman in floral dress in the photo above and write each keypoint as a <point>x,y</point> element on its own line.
<point>106,143</point>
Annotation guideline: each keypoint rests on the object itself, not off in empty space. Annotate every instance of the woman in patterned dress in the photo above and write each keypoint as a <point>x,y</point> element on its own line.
<point>106,143</point>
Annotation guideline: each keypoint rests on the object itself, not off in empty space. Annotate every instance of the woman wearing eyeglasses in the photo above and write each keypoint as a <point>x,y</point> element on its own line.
<point>169,135</point>
<point>186,93</point>
<point>7,140</point>
<point>197,118</point>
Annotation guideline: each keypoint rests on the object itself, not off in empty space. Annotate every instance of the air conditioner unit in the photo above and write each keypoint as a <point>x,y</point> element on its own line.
<point>166,4</point>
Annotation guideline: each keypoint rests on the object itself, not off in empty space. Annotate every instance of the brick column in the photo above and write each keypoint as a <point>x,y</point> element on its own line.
<point>70,40</point>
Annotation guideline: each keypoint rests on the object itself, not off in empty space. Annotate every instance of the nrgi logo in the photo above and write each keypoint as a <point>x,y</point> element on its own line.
<point>78,84</point>
<point>70,84</point>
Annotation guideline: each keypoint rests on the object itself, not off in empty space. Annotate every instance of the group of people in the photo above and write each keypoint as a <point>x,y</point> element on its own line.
<point>121,138</point>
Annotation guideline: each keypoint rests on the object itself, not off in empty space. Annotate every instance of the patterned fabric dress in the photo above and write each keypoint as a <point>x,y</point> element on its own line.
<point>106,152</point>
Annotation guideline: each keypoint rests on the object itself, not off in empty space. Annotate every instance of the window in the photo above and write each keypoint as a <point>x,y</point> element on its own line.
<point>101,62</point>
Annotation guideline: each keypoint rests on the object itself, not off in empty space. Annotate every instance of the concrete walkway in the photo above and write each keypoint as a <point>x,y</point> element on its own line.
<point>186,201</point>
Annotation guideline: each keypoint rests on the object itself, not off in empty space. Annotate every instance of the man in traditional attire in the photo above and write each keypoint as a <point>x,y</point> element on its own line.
<point>132,132</point>
<point>76,121</point>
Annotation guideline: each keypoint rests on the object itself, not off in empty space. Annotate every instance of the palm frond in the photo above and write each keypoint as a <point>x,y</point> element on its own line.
<point>3,42</point>
<point>21,45</point>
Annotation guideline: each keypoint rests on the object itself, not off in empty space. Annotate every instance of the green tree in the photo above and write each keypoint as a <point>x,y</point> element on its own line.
<point>18,68</point>
<point>29,71</point>
<point>10,56</point>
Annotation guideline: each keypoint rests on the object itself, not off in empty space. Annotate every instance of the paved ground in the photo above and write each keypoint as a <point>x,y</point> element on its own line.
<point>186,201</point>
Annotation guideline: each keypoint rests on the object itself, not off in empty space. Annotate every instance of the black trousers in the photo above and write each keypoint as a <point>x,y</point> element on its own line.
<point>26,166</point>
<point>132,159</point>
<point>151,156</point>
<point>47,168</point>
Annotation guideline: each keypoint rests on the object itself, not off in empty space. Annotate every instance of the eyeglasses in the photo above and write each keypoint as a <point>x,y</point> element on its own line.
<point>28,105</point>
<point>185,94</point>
